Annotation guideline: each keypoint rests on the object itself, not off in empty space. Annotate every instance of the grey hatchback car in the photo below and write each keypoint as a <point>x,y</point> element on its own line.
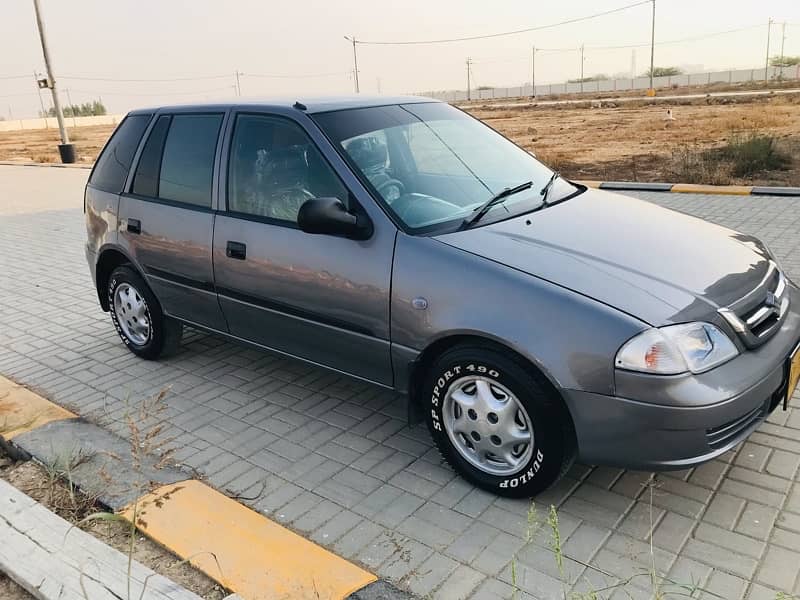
<point>530,320</point>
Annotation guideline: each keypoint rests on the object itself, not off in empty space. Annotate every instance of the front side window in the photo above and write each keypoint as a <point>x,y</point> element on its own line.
<point>433,165</point>
<point>115,161</point>
<point>187,166</point>
<point>274,168</point>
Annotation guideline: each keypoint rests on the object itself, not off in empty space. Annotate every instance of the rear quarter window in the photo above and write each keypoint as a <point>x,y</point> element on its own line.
<point>115,161</point>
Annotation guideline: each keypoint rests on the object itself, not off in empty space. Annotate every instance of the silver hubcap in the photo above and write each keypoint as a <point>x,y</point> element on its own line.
<point>488,425</point>
<point>132,314</point>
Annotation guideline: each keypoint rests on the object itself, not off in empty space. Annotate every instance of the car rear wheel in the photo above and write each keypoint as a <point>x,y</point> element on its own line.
<point>138,318</point>
<point>497,422</point>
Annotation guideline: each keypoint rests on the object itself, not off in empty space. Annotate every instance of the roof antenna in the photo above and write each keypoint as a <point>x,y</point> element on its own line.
<point>299,106</point>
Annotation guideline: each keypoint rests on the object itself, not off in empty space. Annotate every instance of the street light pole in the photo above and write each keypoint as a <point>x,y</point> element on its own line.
<point>582,59</point>
<point>65,149</point>
<point>469,62</point>
<point>533,73</point>
<point>41,100</point>
<point>652,90</point>
<point>783,43</point>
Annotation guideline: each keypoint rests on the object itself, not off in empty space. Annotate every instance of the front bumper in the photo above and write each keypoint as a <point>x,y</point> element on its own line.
<point>662,423</point>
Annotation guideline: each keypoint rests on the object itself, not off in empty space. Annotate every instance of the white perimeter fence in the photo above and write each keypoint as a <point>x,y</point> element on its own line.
<point>51,123</point>
<point>621,85</point>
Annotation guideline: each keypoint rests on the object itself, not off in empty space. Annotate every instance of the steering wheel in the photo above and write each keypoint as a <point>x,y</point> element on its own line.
<point>385,186</point>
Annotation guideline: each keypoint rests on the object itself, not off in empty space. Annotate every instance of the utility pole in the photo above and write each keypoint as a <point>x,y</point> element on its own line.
<point>469,63</point>
<point>238,85</point>
<point>533,72</point>
<point>766,64</point>
<point>65,149</point>
<point>652,91</point>
<point>355,61</point>
<point>582,59</point>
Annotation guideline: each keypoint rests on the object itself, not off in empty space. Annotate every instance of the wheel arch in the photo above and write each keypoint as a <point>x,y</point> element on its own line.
<point>421,365</point>
<point>108,259</point>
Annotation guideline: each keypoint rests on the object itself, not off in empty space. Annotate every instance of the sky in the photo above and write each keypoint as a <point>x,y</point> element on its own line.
<point>300,46</point>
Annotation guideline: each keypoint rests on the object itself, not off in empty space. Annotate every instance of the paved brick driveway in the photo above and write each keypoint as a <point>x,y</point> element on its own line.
<point>336,461</point>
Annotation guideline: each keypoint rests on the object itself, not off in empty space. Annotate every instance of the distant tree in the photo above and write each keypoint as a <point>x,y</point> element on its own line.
<point>87,109</point>
<point>663,71</point>
<point>484,87</point>
<point>784,61</point>
<point>599,77</point>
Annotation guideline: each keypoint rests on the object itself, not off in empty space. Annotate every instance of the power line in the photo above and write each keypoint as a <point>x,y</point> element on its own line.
<point>14,76</point>
<point>152,94</point>
<point>504,33</point>
<point>301,76</point>
<point>113,79</point>
<point>623,46</point>
<point>18,94</point>
<point>678,41</point>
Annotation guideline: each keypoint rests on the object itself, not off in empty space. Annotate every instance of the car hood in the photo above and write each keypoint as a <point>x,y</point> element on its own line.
<point>658,265</point>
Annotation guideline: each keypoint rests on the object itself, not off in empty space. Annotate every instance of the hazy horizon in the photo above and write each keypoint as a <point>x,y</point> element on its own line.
<point>93,42</point>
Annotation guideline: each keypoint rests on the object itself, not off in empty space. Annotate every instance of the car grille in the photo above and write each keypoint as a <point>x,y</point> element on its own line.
<point>757,316</point>
<point>719,437</point>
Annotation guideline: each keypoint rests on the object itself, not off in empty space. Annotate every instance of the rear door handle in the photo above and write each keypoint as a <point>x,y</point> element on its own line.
<point>135,226</point>
<point>236,250</point>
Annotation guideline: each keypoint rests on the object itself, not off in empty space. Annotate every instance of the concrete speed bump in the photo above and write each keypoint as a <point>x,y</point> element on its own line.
<point>734,190</point>
<point>21,410</point>
<point>236,546</point>
<point>241,549</point>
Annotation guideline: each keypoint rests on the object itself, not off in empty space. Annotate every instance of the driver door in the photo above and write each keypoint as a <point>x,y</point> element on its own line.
<point>321,298</point>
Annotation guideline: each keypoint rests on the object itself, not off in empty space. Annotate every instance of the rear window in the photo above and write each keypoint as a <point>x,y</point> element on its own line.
<point>115,161</point>
<point>187,166</point>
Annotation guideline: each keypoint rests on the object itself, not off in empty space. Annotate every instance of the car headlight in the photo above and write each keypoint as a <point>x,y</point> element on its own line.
<point>674,349</point>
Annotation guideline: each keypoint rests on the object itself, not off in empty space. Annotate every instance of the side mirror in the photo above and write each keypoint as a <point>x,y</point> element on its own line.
<point>329,216</point>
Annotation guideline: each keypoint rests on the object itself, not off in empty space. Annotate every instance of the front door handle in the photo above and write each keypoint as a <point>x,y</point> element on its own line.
<point>236,250</point>
<point>134,226</point>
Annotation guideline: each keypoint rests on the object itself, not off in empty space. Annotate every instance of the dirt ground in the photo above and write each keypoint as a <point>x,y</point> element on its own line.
<point>619,141</point>
<point>35,481</point>
<point>638,142</point>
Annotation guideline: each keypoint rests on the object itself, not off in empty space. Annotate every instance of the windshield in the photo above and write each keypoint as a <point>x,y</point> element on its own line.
<point>433,165</point>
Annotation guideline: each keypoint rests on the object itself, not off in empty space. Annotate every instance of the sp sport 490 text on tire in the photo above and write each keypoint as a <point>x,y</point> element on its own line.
<point>497,422</point>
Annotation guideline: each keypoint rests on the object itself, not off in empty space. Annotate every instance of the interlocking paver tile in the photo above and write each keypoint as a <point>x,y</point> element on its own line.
<point>334,455</point>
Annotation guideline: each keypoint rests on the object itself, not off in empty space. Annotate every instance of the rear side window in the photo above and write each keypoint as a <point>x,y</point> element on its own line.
<point>115,161</point>
<point>145,181</point>
<point>187,166</point>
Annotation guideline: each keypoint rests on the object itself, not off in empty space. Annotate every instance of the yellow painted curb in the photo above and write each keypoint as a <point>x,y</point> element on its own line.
<point>690,188</point>
<point>21,410</point>
<point>258,559</point>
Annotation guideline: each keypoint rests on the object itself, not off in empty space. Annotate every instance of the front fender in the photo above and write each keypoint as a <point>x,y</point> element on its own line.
<point>570,338</point>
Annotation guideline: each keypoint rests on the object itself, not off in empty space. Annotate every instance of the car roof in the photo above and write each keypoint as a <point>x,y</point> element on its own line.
<point>312,105</point>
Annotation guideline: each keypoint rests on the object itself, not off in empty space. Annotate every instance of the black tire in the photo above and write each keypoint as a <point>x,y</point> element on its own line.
<point>554,447</point>
<point>165,333</point>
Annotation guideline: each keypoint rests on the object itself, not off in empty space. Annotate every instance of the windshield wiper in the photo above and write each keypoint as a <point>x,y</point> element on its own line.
<point>494,200</point>
<point>545,191</point>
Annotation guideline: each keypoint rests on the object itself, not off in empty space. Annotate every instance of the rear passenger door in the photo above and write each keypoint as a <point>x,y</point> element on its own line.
<point>166,217</point>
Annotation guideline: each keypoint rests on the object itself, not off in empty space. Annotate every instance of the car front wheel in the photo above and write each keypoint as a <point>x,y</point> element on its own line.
<point>497,422</point>
<point>137,316</point>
